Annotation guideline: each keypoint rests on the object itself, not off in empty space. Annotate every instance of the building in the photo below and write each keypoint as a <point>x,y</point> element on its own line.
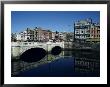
<point>43,35</point>
<point>86,31</point>
<point>18,37</point>
<point>64,36</point>
<point>36,34</point>
<point>53,35</point>
<point>94,33</point>
<point>60,36</point>
<point>68,36</point>
<point>82,30</point>
<point>28,35</point>
<point>39,34</point>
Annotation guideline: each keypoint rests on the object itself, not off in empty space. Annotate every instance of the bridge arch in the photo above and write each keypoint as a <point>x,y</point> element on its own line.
<point>33,55</point>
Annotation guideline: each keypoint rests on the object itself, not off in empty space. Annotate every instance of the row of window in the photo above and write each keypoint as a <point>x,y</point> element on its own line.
<point>86,36</point>
<point>95,35</point>
<point>87,31</point>
<point>81,27</point>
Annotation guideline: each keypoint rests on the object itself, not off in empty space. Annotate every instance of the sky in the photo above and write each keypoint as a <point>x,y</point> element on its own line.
<point>61,21</point>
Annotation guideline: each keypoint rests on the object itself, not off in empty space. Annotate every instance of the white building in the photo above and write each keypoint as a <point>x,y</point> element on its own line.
<point>27,35</point>
<point>18,37</point>
<point>53,35</point>
<point>82,29</point>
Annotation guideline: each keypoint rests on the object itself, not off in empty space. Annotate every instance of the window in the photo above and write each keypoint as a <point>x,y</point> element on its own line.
<point>81,31</point>
<point>76,31</point>
<point>25,43</point>
<point>88,31</point>
<point>88,35</point>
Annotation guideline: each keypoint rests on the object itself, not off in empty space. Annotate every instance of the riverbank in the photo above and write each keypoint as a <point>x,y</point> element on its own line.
<point>81,49</point>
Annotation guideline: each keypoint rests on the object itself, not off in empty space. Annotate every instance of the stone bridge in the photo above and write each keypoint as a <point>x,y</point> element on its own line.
<point>17,48</point>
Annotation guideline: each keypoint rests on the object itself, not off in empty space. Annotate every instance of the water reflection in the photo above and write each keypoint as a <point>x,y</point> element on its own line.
<point>67,63</point>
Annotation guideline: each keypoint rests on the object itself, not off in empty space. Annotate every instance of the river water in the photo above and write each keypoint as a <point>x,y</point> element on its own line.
<point>66,64</point>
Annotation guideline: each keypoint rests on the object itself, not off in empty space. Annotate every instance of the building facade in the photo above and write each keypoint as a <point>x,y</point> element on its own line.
<point>94,33</point>
<point>27,35</point>
<point>86,31</point>
<point>36,35</point>
<point>43,35</point>
<point>18,37</point>
<point>39,34</point>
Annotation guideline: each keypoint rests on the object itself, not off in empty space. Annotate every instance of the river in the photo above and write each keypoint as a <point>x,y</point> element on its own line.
<point>66,64</point>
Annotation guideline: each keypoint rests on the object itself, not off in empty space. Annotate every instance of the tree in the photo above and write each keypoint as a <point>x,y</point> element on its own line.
<point>68,37</point>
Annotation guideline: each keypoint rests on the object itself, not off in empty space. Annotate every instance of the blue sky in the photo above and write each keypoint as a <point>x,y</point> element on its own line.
<point>53,20</point>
